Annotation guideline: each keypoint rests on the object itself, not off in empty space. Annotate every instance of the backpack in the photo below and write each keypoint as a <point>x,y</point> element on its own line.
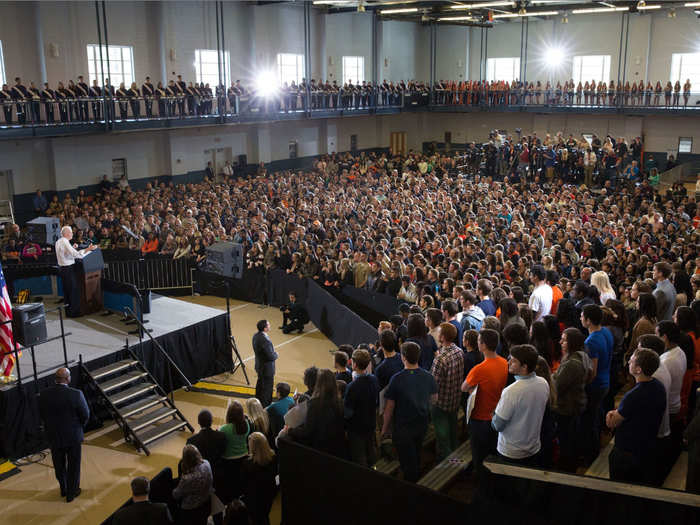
<point>469,322</point>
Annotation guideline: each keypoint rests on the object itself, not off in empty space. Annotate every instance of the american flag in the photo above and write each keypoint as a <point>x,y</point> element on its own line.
<point>7,341</point>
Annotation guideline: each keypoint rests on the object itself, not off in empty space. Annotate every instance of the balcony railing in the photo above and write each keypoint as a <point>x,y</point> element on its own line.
<point>90,114</point>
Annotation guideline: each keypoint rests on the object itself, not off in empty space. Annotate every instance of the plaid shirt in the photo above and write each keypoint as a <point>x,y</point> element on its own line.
<point>448,369</point>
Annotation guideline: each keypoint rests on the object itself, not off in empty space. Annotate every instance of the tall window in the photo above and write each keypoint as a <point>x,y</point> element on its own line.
<point>592,67</point>
<point>121,64</point>
<point>290,67</point>
<point>353,69</point>
<point>686,66</point>
<point>2,66</point>
<point>206,67</point>
<point>506,69</point>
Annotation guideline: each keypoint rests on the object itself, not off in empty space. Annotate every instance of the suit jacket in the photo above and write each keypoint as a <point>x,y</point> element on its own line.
<point>64,412</point>
<point>143,512</point>
<point>265,355</point>
<point>210,443</point>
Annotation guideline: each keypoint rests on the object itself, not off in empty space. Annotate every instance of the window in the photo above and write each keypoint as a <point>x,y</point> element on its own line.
<point>685,144</point>
<point>593,67</point>
<point>686,66</point>
<point>290,67</point>
<point>206,67</point>
<point>121,64</point>
<point>2,67</point>
<point>353,69</point>
<point>505,69</point>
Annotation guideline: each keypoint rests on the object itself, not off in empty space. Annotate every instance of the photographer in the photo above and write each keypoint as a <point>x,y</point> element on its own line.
<point>294,315</point>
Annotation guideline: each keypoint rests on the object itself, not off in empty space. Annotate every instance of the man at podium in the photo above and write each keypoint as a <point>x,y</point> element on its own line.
<point>66,254</point>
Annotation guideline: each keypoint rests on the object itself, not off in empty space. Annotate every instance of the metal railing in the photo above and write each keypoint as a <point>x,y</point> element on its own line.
<point>153,273</point>
<point>543,98</point>
<point>32,113</point>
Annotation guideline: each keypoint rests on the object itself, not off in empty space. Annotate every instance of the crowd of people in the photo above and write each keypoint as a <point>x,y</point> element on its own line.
<point>585,93</point>
<point>569,311</point>
<point>77,101</point>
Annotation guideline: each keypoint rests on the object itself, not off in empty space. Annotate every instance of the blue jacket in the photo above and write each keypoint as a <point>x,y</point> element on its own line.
<point>64,412</point>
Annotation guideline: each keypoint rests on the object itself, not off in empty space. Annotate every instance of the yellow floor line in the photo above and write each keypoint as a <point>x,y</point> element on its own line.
<point>224,388</point>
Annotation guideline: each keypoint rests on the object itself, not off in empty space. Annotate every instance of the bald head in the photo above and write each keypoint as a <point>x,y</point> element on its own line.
<point>63,376</point>
<point>67,232</point>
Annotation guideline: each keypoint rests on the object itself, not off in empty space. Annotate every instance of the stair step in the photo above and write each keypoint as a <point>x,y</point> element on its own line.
<point>122,380</point>
<point>150,418</point>
<point>111,369</point>
<point>132,392</point>
<point>141,404</point>
<point>160,430</point>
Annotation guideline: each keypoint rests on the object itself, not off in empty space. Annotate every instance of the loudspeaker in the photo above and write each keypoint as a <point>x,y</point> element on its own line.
<point>44,230</point>
<point>225,259</point>
<point>29,323</point>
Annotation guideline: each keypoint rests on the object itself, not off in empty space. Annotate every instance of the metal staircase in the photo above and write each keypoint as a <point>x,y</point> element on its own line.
<point>136,402</point>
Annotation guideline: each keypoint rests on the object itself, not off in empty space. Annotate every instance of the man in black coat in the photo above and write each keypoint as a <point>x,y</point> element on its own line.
<point>210,443</point>
<point>142,510</point>
<point>294,315</point>
<point>65,412</point>
<point>265,357</point>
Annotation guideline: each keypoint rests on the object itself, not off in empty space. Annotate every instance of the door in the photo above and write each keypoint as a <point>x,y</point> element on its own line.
<point>397,142</point>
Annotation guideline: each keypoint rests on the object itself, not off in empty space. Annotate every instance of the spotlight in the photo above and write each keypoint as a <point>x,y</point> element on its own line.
<point>266,84</point>
<point>555,56</point>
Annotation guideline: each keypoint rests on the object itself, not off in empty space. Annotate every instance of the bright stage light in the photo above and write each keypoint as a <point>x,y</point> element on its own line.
<point>266,83</point>
<point>554,56</point>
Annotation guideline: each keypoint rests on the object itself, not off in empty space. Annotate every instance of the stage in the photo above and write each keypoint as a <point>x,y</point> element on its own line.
<point>96,335</point>
<point>196,338</point>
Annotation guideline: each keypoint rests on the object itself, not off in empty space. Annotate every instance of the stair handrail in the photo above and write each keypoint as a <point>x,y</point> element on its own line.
<point>159,347</point>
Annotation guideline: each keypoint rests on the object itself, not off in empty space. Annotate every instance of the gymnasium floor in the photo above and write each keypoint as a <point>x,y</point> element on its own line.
<point>108,463</point>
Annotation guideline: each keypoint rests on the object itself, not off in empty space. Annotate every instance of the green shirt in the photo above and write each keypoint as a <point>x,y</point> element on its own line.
<point>236,444</point>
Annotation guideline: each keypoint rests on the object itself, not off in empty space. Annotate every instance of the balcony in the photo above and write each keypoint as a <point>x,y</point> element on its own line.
<point>36,118</point>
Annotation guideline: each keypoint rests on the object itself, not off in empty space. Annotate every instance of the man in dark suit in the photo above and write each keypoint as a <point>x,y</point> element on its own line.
<point>210,443</point>
<point>142,510</point>
<point>65,412</point>
<point>265,357</point>
<point>294,315</point>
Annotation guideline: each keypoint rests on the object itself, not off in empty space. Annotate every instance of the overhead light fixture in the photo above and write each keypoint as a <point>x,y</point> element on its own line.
<point>648,7</point>
<point>457,19</point>
<point>331,2</point>
<point>564,19</point>
<point>398,11</point>
<point>522,11</point>
<point>671,13</point>
<point>361,7</point>
<point>483,4</point>
<point>516,15</point>
<point>691,4</point>
<point>599,10</point>
<point>641,4</point>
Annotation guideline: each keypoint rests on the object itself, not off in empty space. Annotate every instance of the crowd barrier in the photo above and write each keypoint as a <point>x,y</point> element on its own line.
<point>312,481</point>
<point>335,320</point>
<point>153,272</point>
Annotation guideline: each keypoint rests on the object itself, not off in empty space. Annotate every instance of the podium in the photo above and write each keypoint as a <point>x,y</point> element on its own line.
<point>89,276</point>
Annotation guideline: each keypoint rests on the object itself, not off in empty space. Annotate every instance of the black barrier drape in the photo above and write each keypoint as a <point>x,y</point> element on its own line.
<point>200,350</point>
<point>372,306</point>
<point>336,321</point>
<point>315,485</point>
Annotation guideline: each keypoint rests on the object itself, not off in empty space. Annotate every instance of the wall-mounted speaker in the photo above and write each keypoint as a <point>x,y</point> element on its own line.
<point>386,61</point>
<point>330,61</point>
<point>173,55</point>
<point>54,51</point>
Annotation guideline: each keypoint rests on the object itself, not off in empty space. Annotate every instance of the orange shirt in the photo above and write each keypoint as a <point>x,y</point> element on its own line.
<point>150,246</point>
<point>491,376</point>
<point>557,294</point>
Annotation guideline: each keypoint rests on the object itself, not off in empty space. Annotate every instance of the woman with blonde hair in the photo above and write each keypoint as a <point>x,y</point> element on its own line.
<point>601,281</point>
<point>258,416</point>
<point>259,471</point>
